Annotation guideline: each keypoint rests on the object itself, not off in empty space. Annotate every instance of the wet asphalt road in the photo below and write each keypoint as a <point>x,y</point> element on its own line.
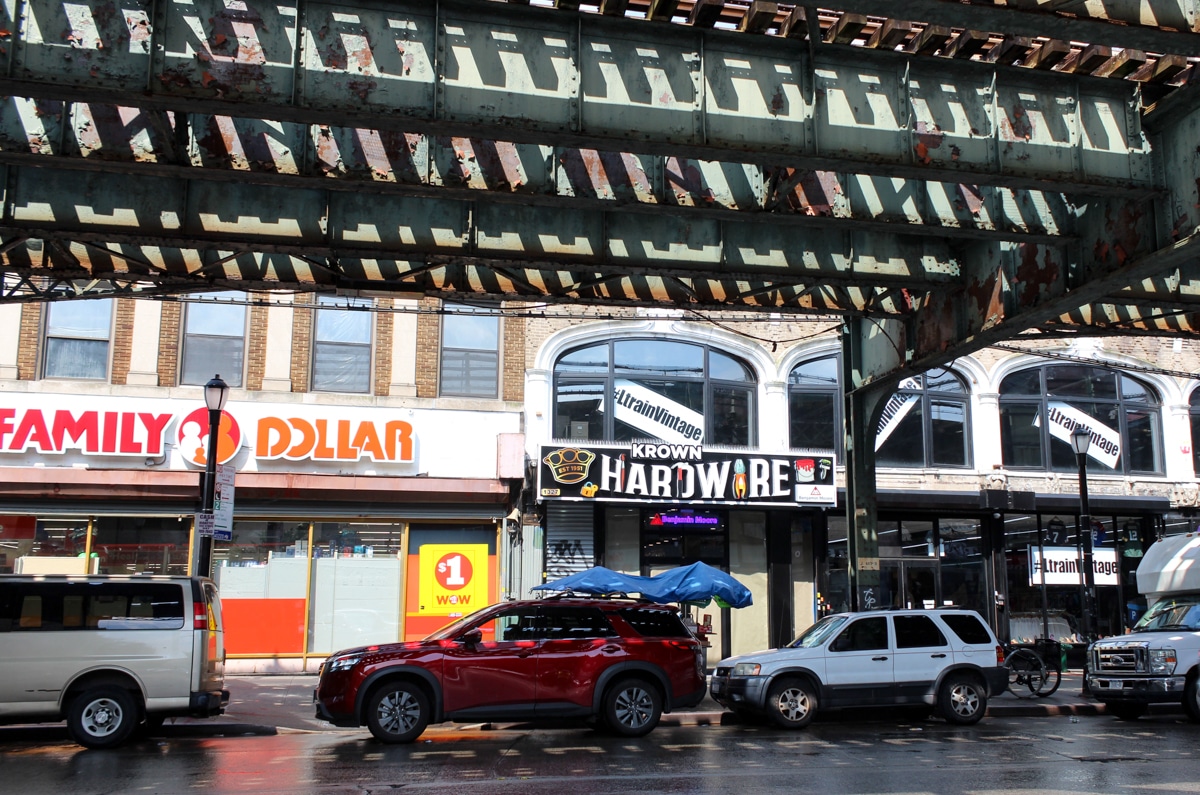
<point>891,753</point>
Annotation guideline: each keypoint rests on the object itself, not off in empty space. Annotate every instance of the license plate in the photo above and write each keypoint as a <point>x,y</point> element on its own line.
<point>716,687</point>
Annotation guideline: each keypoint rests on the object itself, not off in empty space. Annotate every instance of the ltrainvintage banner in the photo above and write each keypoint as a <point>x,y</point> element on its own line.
<point>684,473</point>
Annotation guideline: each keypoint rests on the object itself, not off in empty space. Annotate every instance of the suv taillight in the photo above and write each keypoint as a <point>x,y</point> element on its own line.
<point>200,616</point>
<point>999,655</point>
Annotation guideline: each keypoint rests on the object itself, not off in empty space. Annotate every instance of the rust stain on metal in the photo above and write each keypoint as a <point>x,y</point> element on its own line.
<point>686,181</point>
<point>928,137</point>
<point>988,298</point>
<point>778,101</point>
<point>361,88</point>
<point>1034,277</point>
<point>1017,126</point>
<point>971,198</point>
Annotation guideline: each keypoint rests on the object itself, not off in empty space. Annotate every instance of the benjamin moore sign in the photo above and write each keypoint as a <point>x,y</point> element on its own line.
<point>662,472</point>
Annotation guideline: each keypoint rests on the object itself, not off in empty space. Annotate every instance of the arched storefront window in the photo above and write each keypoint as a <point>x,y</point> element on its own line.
<point>629,389</point>
<point>815,404</point>
<point>1041,406</point>
<point>924,423</point>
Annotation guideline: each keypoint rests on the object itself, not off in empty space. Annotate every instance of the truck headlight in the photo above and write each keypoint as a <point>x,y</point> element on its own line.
<point>1162,661</point>
<point>746,669</point>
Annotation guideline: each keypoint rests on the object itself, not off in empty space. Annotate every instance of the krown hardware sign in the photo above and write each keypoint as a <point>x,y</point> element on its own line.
<point>684,473</point>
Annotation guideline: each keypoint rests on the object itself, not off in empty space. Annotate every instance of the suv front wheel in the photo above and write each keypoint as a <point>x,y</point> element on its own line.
<point>397,712</point>
<point>792,703</point>
<point>962,699</point>
<point>632,707</point>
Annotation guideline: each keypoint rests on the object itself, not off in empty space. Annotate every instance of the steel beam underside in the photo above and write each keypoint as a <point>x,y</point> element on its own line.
<point>527,75</point>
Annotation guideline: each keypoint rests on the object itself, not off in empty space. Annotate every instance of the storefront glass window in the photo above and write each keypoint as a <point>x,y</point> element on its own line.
<point>153,544</point>
<point>1040,407</point>
<point>835,587</point>
<point>611,391</point>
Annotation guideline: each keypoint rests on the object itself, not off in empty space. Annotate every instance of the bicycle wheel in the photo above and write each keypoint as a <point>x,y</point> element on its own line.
<point>1026,673</point>
<point>1050,682</point>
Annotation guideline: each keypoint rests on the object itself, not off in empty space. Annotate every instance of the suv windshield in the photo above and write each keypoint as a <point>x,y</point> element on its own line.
<point>1173,612</point>
<point>818,633</point>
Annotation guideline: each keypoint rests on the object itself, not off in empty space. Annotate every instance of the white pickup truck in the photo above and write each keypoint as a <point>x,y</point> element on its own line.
<point>1158,662</point>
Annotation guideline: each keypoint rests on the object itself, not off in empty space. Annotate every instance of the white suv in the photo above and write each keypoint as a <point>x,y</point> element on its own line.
<point>948,659</point>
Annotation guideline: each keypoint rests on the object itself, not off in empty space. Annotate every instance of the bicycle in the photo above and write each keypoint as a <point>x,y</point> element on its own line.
<point>1028,672</point>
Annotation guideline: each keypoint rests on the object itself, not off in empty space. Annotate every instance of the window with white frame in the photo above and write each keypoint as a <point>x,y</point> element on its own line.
<point>214,338</point>
<point>470,352</point>
<point>77,339</point>
<point>342,345</point>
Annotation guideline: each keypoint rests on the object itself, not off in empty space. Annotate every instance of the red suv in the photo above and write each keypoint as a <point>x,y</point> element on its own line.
<point>622,661</point>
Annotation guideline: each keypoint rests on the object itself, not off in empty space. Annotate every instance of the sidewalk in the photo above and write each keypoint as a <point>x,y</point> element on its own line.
<point>284,702</point>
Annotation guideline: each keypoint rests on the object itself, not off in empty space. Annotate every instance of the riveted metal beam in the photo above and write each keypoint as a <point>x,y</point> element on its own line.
<point>533,76</point>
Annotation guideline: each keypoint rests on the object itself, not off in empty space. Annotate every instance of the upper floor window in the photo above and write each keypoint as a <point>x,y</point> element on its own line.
<point>77,336</point>
<point>214,338</point>
<point>630,389</point>
<point>815,404</point>
<point>924,423</point>
<point>470,352</point>
<point>341,359</point>
<point>1041,407</point>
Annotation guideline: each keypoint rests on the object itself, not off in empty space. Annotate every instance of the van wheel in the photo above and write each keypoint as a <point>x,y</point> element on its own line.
<point>397,712</point>
<point>962,699</point>
<point>792,703</point>
<point>102,717</point>
<point>632,708</point>
<point>1191,697</point>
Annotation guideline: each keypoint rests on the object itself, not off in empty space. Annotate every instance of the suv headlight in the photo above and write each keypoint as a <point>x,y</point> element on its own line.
<point>1162,661</point>
<point>342,663</point>
<point>746,669</point>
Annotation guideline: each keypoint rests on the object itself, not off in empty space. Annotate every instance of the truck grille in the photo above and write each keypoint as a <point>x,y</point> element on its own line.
<point>1119,659</point>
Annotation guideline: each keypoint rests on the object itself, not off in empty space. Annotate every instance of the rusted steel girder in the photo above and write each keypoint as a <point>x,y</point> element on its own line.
<point>118,140</point>
<point>494,71</point>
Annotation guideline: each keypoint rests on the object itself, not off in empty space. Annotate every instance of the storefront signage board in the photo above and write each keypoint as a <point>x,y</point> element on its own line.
<point>1062,566</point>
<point>1063,419</point>
<point>683,474</point>
<point>51,430</point>
<point>453,579</point>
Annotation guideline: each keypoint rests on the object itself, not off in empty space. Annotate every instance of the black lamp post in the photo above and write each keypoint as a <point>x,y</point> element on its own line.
<point>216,392</point>
<point>1081,439</point>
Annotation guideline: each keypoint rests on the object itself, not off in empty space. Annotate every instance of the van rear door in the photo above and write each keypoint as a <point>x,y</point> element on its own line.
<point>209,640</point>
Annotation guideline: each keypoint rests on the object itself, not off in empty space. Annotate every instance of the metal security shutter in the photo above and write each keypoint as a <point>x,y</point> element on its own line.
<point>570,538</point>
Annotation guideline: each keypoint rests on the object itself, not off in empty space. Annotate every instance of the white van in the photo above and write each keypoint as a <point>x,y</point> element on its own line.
<point>108,653</point>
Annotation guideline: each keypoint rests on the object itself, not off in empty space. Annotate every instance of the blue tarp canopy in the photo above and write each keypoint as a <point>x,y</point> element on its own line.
<point>698,583</point>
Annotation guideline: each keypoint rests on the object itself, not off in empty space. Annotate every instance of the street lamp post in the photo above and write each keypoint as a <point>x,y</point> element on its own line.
<point>1081,439</point>
<point>216,392</point>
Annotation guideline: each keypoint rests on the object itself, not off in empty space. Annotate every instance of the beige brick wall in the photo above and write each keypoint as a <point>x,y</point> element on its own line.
<point>168,344</point>
<point>512,359</point>
<point>256,347</point>
<point>429,332</point>
<point>383,347</point>
<point>302,328</point>
<point>122,341</point>
<point>29,347</point>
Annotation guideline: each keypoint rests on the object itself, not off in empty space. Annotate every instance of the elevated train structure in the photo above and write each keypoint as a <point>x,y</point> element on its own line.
<point>944,180</point>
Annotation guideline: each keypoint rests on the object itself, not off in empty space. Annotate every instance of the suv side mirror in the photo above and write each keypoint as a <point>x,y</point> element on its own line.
<point>471,637</point>
<point>840,643</point>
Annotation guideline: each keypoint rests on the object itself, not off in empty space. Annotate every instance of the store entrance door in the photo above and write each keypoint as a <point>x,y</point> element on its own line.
<point>908,583</point>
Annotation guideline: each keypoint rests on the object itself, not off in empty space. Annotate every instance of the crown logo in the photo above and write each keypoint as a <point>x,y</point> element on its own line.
<point>570,464</point>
